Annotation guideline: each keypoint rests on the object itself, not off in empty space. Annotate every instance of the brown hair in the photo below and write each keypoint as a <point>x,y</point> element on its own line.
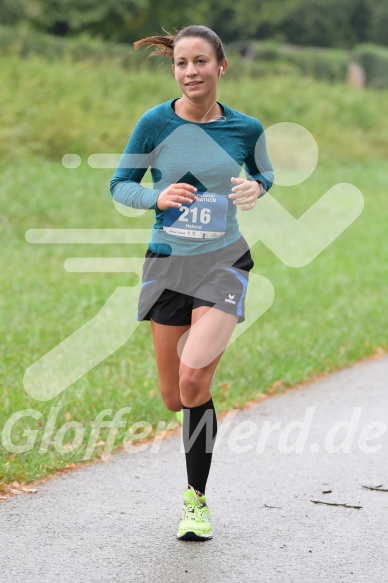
<point>164,45</point>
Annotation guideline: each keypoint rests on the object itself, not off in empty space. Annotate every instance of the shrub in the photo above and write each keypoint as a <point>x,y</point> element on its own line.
<point>374,60</point>
<point>320,64</point>
<point>328,64</point>
<point>25,43</point>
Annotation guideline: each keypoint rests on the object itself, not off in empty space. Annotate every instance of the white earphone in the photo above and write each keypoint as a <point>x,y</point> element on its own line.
<point>221,69</point>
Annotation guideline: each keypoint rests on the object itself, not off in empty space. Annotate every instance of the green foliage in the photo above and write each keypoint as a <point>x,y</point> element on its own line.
<point>71,17</point>
<point>267,56</point>
<point>374,60</point>
<point>327,23</point>
<point>321,64</point>
<point>378,24</point>
<point>328,64</point>
<point>26,42</point>
<point>12,11</point>
<point>124,21</point>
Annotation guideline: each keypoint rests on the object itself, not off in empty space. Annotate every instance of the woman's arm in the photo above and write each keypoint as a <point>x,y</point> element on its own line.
<point>137,157</point>
<point>258,168</point>
<point>257,163</point>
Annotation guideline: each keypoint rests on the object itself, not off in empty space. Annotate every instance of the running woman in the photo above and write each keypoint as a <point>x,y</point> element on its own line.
<point>196,268</point>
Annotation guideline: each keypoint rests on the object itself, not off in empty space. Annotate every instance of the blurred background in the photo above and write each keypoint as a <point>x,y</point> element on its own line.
<point>272,30</point>
<point>324,23</point>
<point>71,83</point>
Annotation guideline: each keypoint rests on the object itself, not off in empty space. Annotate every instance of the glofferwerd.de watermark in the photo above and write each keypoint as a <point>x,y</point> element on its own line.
<point>240,436</point>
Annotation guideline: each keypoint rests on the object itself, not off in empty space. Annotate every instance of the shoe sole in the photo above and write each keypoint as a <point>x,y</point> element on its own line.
<point>193,536</point>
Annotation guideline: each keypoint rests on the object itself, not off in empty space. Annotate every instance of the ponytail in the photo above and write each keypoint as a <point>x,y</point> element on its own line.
<point>164,45</point>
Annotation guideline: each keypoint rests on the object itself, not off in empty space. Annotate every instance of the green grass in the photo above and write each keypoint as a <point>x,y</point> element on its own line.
<point>51,108</point>
<point>325,316</point>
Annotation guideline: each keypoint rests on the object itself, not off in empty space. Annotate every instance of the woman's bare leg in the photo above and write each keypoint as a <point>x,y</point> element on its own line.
<point>207,339</point>
<point>200,350</point>
<point>181,352</point>
<point>166,340</point>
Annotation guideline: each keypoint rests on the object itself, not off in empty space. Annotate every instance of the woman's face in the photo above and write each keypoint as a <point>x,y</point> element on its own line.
<point>195,67</point>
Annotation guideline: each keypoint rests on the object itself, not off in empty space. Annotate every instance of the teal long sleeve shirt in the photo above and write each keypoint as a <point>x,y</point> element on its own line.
<point>205,155</point>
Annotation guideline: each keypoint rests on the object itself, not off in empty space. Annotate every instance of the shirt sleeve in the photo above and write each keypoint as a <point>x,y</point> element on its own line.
<point>137,157</point>
<point>257,164</point>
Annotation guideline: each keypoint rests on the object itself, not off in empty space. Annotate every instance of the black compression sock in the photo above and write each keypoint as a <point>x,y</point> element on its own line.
<point>199,432</point>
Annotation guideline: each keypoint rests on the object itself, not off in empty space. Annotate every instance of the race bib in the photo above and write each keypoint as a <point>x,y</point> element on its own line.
<point>202,219</point>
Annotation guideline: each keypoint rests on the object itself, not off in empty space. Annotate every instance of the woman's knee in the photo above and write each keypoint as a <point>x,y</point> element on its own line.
<point>192,381</point>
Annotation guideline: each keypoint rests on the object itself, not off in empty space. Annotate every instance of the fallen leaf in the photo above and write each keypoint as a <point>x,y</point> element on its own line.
<point>29,490</point>
<point>278,384</point>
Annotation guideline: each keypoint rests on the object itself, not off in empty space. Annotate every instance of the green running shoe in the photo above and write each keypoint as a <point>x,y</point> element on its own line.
<point>179,416</point>
<point>195,523</point>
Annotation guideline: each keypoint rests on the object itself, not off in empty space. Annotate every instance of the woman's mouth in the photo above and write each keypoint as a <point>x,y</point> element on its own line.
<point>193,83</point>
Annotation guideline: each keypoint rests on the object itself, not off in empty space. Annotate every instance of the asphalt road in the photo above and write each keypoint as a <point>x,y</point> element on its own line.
<point>117,520</point>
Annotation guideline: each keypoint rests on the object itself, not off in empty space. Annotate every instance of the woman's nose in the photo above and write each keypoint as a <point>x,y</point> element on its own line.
<point>191,69</point>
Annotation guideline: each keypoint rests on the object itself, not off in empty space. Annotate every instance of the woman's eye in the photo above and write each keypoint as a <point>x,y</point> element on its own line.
<point>183,64</point>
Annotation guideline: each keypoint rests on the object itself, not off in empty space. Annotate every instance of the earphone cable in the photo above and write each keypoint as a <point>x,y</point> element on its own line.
<point>216,117</point>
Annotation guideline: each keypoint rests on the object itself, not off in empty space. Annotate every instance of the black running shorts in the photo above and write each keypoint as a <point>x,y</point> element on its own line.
<point>172,286</point>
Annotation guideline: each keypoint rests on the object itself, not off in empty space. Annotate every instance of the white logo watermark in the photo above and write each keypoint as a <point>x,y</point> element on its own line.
<point>239,436</point>
<point>296,242</point>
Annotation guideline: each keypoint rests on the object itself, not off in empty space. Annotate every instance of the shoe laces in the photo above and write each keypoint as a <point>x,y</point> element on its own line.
<point>202,511</point>
<point>189,509</point>
<point>196,507</point>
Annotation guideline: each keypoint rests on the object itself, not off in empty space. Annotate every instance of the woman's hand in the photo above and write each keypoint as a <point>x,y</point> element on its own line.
<point>246,192</point>
<point>176,195</point>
